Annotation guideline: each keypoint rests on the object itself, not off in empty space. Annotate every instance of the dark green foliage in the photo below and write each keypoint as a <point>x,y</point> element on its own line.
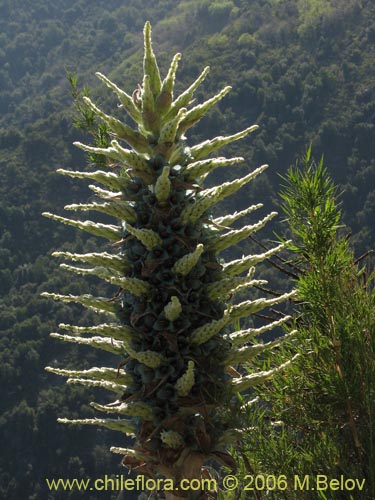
<point>85,120</point>
<point>302,76</point>
<point>322,413</point>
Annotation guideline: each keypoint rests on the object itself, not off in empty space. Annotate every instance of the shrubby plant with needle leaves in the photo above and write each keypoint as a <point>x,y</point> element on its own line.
<point>183,359</point>
<point>325,410</point>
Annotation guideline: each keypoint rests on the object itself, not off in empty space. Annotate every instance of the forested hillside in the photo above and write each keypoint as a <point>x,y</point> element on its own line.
<point>302,69</point>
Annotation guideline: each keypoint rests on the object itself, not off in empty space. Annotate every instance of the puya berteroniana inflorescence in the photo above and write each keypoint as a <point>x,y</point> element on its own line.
<point>183,360</point>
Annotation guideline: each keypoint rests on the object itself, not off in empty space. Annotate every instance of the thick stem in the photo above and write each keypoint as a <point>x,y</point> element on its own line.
<point>190,467</point>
